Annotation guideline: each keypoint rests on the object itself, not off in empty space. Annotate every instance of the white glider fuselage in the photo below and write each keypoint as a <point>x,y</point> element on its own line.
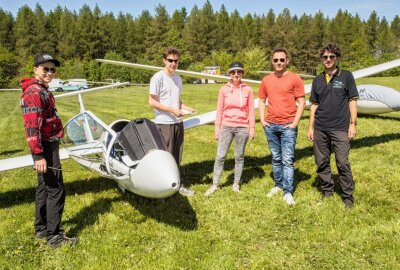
<point>156,175</point>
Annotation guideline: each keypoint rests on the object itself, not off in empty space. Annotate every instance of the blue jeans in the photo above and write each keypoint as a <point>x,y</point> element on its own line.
<point>281,142</point>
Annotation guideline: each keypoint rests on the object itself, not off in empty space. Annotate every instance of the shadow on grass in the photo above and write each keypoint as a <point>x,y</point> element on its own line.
<point>88,215</point>
<point>6,153</point>
<point>379,117</point>
<point>193,173</point>
<point>336,188</point>
<point>175,210</point>
<point>27,195</point>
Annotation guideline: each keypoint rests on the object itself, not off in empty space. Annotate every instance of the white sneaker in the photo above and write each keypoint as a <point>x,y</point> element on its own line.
<point>211,190</point>
<point>186,192</point>
<point>236,187</point>
<point>273,191</point>
<point>288,198</point>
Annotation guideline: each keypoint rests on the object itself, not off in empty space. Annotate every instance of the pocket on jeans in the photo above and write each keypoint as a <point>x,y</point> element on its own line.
<point>291,132</point>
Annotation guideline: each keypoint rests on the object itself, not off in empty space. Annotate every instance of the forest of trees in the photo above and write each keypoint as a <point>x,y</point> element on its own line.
<point>205,37</point>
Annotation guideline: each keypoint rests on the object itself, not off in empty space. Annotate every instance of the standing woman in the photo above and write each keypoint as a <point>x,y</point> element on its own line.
<point>234,120</point>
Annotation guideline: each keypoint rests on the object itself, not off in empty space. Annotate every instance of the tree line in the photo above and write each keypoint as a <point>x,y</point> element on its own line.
<point>205,37</point>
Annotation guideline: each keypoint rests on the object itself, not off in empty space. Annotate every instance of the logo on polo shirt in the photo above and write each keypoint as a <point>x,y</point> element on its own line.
<point>337,84</point>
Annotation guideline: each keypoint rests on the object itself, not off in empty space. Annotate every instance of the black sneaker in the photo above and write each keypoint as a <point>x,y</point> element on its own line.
<point>61,239</point>
<point>324,197</point>
<point>42,233</point>
<point>348,204</point>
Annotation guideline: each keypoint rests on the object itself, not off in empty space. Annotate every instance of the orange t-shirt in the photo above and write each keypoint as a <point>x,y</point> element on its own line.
<point>281,93</point>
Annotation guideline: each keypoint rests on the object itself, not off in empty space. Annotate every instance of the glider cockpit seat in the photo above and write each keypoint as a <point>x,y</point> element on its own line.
<point>139,137</point>
<point>118,151</point>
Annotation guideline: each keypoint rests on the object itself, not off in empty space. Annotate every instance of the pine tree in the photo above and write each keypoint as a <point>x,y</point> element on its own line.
<point>157,34</point>
<point>106,34</point>
<point>267,38</point>
<point>6,27</point>
<point>371,31</point>
<point>88,39</point>
<point>395,29</point>
<point>304,56</point>
<point>237,33</point>
<point>385,42</point>
<point>283,30</point>
<point>23,29</point>
<point>192,36</point>
<point>141,36</point>
<point>66,43</point>
<point>222,30</point>
<point>54,28</point>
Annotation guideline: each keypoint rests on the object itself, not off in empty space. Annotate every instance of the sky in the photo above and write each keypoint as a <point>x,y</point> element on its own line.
<point>384,8</point>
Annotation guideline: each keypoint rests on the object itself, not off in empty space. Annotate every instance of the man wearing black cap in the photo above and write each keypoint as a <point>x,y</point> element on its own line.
<point>43,130</point>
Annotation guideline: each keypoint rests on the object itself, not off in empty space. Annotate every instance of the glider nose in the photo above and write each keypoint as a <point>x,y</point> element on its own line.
<point>156,175</point>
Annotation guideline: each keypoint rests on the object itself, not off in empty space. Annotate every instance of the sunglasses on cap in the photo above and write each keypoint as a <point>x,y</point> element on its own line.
<point>173,60</point>
<point>275,60</point>
<point>47,70</point>
<point>326,57</point>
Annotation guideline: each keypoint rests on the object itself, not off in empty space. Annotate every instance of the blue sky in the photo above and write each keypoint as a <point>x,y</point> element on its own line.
<point>387,8</point>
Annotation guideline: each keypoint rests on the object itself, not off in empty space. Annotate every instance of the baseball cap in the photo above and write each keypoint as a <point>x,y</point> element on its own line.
<point>43,58</point>
<point>236,66</point>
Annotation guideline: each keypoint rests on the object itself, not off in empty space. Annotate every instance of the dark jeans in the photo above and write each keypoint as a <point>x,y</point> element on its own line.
<point>50,193</point>
<point>282,142</point>
<point>173,137</point>
<point>339,142</point>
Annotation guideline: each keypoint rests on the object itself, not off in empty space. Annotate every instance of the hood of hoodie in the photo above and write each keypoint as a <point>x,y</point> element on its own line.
<point>26,82</point>
<point>240,86</point>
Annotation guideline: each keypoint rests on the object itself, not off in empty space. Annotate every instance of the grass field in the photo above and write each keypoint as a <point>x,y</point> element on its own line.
<point>224,231</point>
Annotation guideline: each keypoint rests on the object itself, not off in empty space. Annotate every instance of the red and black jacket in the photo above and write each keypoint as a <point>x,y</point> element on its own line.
<point>39,112</point>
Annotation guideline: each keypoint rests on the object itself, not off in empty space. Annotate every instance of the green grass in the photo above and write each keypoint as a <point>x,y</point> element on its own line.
<point>225,231</point>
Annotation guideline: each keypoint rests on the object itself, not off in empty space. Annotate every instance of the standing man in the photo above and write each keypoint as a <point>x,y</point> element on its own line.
<point>283,89</point>
<point>333,120</point>
<point>43,130</point>
<point>165,98</point>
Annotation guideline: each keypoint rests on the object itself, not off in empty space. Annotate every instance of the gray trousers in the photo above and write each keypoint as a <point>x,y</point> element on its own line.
<point>324,142</point>
<point>173,135</point>
<point>227,134</point>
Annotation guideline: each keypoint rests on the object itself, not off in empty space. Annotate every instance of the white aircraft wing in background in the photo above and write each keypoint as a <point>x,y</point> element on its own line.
<point>26,161</point>
<point>370,101</point>
<point>178,71</point>
<point>80,150</point>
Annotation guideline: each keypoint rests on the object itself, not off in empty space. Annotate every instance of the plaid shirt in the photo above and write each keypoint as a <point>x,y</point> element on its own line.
<point>40,116</point>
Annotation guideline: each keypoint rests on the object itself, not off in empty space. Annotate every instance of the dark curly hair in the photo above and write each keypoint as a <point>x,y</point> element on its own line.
<point>331,47</point>
<point>171,51</point>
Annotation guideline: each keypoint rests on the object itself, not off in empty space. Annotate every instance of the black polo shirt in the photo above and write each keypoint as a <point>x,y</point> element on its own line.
<point>333,112</point>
